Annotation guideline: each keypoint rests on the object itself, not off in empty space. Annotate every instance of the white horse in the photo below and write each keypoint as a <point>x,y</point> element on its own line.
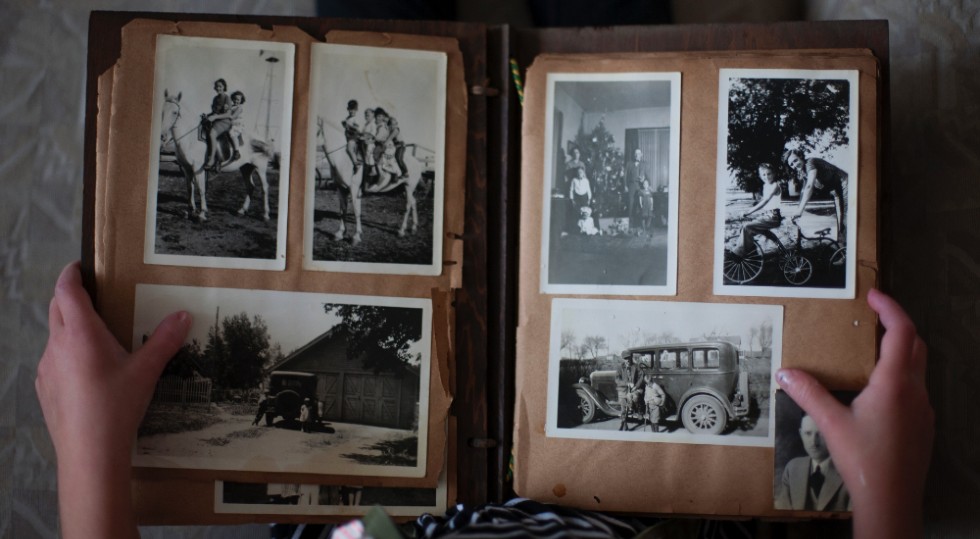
<point>343,173</point>
<point>191,154</point>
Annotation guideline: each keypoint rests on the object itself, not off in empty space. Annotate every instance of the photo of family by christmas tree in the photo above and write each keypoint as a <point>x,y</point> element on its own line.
<point>612,163</point>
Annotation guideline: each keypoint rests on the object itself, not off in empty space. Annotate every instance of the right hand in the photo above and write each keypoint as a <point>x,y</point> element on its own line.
<point>882,443</point>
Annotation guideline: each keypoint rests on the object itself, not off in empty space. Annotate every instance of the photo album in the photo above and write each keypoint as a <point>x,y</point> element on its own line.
<point>376,323</point>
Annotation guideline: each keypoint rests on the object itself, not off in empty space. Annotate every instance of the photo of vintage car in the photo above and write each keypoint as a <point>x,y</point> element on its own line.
<point>287,391</point>
<point>706,387</point>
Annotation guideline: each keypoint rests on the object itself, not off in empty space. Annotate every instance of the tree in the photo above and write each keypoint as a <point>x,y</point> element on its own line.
<point>631,338</point>
<point>379,337</point>
<point>185,361</point>
<point>593,345</point>
<point>765,116</point>
<point>568,341</point>
<point>753,333</point>
<point>237,351</point>
<point>765,335</point>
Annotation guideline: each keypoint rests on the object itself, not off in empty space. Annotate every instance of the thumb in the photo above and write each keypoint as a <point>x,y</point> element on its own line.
<point>166,340</point>
<point>828,413</point>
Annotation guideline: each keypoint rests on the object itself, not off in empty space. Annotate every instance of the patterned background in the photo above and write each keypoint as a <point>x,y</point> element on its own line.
<point>931,220</point>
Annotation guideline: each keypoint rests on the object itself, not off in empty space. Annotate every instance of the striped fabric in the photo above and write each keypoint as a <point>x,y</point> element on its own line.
<point>523,518</point>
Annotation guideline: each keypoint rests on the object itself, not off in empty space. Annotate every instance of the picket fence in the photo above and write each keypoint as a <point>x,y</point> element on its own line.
<point>186,391</point>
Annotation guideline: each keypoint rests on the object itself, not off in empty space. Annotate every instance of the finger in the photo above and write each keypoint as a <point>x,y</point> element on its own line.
<point>166,340</point>
<point>73,301</point>
<point>55,320</point>
<point>899,337</point>
<point>831,416</point>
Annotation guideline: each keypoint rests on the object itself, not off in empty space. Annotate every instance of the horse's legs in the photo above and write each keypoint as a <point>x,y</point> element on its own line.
<point>201,178</point>
<point>246,172</point>
<point>261,170</point>
<point>189,180</point>
<point>411,209</point>
<point>342,229</point>
<point>355,188</point>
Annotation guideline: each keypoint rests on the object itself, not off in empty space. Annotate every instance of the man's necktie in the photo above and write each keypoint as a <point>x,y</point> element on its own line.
<point>816,482</point>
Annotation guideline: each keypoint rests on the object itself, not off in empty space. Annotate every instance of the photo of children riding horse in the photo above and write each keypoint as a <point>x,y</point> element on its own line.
<point>215,154</point>
<point>787,183</point>
<point>375,160</point>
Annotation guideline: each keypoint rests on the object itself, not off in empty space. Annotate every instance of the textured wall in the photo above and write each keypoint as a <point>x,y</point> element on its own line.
<point>932,224</point>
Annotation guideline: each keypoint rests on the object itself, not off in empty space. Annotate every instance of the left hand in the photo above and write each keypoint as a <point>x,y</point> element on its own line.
<point>94,393</point>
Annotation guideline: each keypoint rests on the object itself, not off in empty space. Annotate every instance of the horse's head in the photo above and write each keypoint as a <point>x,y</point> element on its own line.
<point>169,116</point>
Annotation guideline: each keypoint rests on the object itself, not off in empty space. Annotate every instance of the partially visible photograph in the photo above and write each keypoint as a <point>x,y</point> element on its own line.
<point>289,382</point>
<point>307,499</point>
<point>663,372</point>
<point>219,158</point>
<point>786,207</point>
<point>805,476</point>
<point>375,160</point>
<point>611,169</point>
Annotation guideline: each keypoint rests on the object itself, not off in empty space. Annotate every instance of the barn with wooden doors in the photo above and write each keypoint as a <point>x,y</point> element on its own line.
<point>348,392</point>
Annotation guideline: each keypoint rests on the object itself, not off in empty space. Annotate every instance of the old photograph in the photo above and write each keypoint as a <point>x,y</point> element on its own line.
<point>786,207</point>
<point>219,153</point>
<point>289,382</point>
<point>805,478</point>
<point>663,372</point>
<point>306,499</point>
<point>612,147</point>
<point>375,160</point>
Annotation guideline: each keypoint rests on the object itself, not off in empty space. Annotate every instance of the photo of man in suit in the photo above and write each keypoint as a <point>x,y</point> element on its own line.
<point>811,482</point>
<point>635,173</point>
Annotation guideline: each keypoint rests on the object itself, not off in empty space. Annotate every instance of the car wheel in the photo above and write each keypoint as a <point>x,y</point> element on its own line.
<point>703,414</point>
<point>585,406</point>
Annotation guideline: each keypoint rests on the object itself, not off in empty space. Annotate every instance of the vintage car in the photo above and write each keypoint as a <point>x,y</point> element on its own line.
<point>287,390</point>
<point>705,386</point>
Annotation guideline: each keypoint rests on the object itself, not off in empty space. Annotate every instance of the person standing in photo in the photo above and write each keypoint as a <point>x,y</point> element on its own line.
<point>645,196</point>
<point>306,416</point>
<point>823,178</point>
<point>636,172</point>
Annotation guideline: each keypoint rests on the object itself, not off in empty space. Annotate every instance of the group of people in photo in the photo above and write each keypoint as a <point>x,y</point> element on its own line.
<point>617,189</point>
<point>377,146</point>
<point>225,119</point>
<point>812,176</point>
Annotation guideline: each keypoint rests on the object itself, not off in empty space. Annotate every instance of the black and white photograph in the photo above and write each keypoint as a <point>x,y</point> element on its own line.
<point>805,478</point>
<point>375,160</point>
<point>786,206</point>
<point>289,382</point>
<point>696,373</point>
<point>219,153</point>
<point>309,499</point>
<point>612,150</point>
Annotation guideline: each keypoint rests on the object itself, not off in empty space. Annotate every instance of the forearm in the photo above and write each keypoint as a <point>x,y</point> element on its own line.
<point>94,496</point>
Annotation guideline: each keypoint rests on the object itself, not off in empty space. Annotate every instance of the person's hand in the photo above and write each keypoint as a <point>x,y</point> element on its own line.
<point>93,395</point>
<point>881,444</point>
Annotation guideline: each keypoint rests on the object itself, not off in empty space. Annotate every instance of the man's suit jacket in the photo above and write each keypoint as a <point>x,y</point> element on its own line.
<point>793,488</point>
<point>633,173</point>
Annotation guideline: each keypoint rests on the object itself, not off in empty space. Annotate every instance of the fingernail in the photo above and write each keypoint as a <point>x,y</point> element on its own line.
<point>784,377</point>
<point>184,318</point>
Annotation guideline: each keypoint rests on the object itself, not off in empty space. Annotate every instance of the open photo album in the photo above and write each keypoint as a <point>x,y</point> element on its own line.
<point>405,285</point>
